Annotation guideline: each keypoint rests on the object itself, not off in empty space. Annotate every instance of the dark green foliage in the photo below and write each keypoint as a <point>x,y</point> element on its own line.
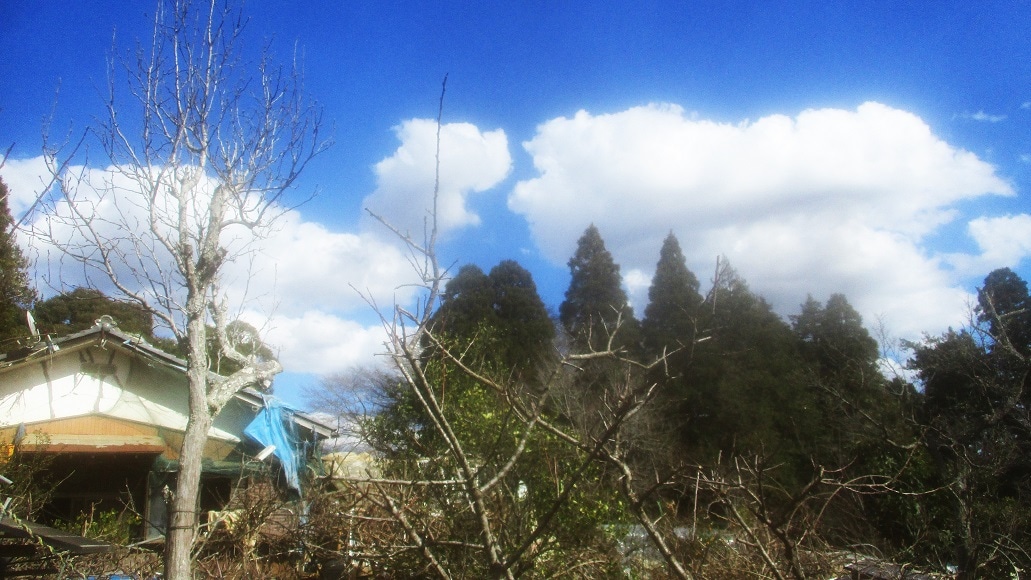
<point>671,318</point>
<point>522,318</point>
<point>911,522</point>
<point>595,299</point>
<point>466,302</point>
<point>845,385</point>
<point>952,369</point>
<point>1004,305</point>
<point>978,381</point>
<point>499,326</point>
<point>743,391</point>
<point>16,294</point>
<point>834,340</point>
<point>977,423</point>
<point>80,309</point>
<point>980,444</point>
<point>945,467</point>
<point>483,421</point>
<point>669,329</point>
<point>507,303</point>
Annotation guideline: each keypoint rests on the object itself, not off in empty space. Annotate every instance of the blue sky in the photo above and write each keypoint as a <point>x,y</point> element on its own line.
<point>879,149</point>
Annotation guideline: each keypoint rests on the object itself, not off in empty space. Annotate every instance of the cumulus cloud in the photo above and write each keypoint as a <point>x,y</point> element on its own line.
<point>1003,241</point>
<point>24,178</point>
<point>471,161</point>
<point>305,286</point>
<point>320,342</point>
<point>303,263</point>
<point>827,201</point>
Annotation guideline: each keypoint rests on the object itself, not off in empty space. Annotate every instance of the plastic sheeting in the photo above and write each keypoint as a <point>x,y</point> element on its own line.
<point>274,426</point>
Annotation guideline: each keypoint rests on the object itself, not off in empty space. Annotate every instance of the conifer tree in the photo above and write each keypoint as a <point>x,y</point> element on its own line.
<point>595,299</point>
<point>741,392</point>
<point>1005,306</point>
<point>673,301</point>
<point>16,295</point>
<point>502,307</point>
<point>841,359</point>
<point>833,338</point>
<point>524,320</point>
<point>465,304</point>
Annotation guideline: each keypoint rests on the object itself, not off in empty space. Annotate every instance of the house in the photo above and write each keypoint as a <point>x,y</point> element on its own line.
<point>112,409</point>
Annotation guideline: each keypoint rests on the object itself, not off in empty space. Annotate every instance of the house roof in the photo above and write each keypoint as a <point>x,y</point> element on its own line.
<point>106,330</point>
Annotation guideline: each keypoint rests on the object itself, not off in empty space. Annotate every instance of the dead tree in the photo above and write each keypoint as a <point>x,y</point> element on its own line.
<point>200,147</point>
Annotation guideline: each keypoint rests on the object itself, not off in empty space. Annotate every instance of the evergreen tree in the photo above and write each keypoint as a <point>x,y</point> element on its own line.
<point>833,339</point>
<point>976,427</point>
<point>673,301</point>
<point>1005,307</point>
<point>80,309</point>
<point>845,385</point>
<point>497,325</point>
<point>16,295</point>
<point>807,323</point>
<point>465,304</point>
<point>523,319</point>
<point>503,308</point>
<point>595,299</point>
<point>742,393</point>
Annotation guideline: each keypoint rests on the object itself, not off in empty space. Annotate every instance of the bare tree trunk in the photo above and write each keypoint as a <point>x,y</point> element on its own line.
<point>182,522</point>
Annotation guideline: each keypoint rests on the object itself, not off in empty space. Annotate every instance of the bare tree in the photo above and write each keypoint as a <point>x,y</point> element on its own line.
<point>201,149</point>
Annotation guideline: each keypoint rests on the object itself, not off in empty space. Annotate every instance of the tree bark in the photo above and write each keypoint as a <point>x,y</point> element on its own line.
<point>182,522</point>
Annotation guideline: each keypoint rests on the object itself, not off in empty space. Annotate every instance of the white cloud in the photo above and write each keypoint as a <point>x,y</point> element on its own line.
<point>304,279</point>
<point>320,342</point>
<point>471,161</point>
<point>1003,241</point>
<point>24,179</point>
<point>983,117</point>
<point>305,286</point>
<point>303,265</point>
<point>637,283</point>
<point>828,201</point>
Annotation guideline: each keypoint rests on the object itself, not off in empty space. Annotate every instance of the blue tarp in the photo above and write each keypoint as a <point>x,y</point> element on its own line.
<point>274,426</point>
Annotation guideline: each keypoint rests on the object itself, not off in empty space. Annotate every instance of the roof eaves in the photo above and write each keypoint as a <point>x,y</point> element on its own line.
<point>139,345</point>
